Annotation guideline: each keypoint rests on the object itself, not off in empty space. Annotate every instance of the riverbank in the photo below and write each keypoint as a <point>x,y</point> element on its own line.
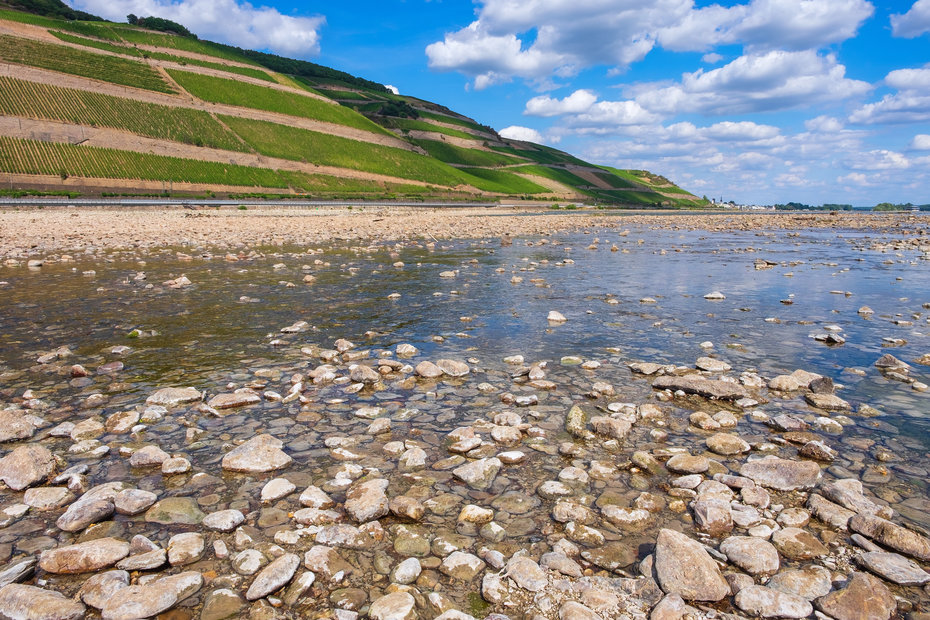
<point>39,232</point>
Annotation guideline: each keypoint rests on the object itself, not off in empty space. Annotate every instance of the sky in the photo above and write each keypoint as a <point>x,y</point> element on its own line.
<point>760,102</point>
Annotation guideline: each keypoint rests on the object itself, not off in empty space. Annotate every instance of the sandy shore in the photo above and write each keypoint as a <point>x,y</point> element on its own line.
<point>40,232</point>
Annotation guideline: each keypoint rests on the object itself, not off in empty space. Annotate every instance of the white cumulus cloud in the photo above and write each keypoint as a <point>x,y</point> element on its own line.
<point>226,21</point>
<point>921,142</point>
<point>576,103</point>
<point>911,104</point>
<point>913,23</point>
<point>525,134</point>
<point>775,80</point>
<point>534,39</point>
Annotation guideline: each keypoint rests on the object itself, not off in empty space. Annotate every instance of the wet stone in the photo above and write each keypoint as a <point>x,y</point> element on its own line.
<point>781,474</point>
<point>98,589</point>
<point>24,601</point>
<point>809,582</point>
<point>133,501</point>
<point>185,548</point>
<point>894,568</point>
<point>46,498</point>
<point>223,520</point>
<point>756,557</point>
<point>221,604</point>
<point>685,568</point>
<point>863,597</point>
<point>14,427</point>
<point>84,557</point>
<point>259,454</point>
<point>462,566</point>
<point>174,397</point>
<point>478,474</point>
<point>273,577</point>
<point>26,466</point>
<point>768,603</point>
<point>797,544</point>
<point>175,510</point>
<point>394,606</point>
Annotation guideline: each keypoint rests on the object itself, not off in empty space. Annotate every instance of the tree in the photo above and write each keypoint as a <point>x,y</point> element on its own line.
<point>132,19</point>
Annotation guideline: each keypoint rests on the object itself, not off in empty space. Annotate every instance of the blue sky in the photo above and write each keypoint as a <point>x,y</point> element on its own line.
<point>758,101</point>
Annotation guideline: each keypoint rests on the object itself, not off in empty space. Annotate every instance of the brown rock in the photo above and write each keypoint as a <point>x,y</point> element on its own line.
<point>864,597</point>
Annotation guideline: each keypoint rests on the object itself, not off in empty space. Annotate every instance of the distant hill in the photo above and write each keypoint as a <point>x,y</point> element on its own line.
<point>94,107</point>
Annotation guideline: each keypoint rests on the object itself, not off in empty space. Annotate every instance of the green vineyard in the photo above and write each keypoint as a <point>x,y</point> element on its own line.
<point>34,157</point>
<point>40,101</point>
<point>77,62</point>
<point>231,92</point>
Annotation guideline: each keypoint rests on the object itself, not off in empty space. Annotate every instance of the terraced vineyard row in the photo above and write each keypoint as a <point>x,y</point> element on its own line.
<point>232,92</point>
<point>41,101</point>
<point>100,45</point>
<point>77,62</point>
<point>34,157</point>
<point>91,29</point>
<point>286,142</point>
<point>412,125</point>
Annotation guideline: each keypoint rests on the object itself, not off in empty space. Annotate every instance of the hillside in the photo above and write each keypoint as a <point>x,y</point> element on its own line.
<point>94,107</point>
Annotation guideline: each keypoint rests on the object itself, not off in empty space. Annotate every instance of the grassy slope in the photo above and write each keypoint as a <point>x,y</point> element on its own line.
<point>476,167</point>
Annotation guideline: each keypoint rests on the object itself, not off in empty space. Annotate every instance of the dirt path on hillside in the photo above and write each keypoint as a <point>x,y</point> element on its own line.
<point>52,78</point>
<point>84,185</point>
<point>27,31</point>
<point>48,131</point>
<point>558,189</point>
<point>589,176</point>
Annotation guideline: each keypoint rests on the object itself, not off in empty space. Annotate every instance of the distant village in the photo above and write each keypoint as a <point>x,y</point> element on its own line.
<point>797,206</point>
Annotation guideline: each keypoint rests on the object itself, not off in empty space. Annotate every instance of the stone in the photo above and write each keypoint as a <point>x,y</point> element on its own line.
<point>273,577</point>
<point>863,597</point>
<point>185,548</point>
<point>892,536</point>
<point>259,454</point>
<point>326,562</point>
<point>461,565</point>
<point>32,603</point>
<point>756,557</point>
<point>848,493</point>
<point>98,589</point>
<point>827,402</point>
<point>555,316</point>
<point>14,427</point>
<point>710,364</point>
<point>223,520</point>
<point>526,573</point>
<point>26,466</point>
<point>314,497</point>
<point>406,572</point>
<point>828,512</point>
<point>393,606</point>
<point>726,444</point>
<point>573,610</point>
<point>894,568</point>
<point>782,475</point>
<point>174,397</point>
<point>221,604</point>
<point>479,474</point>
<point>175,510</point>
<point>139,602</point>
<point>769,603</point>
<point>712,515</point>
<point>687,464</point>
<point>707,388</point>
<point>428,370</point>
<point>121,422</point>
<point>673,607</point>
<point>797,544</point>
<point>231,400</point>
<point>809,582</point>
<point>562,563</point>
<point>453,368</point>
<point>614,428</point>
<point>133,501</point>
<point>576,422</point>
<point>147,560</point>
<point>817,450</point>
<point>277,489</point>
<point>17,571</point>
<point>367,501</point>
<point>84,557</point>
<point>684,567</point>
<point>407,507</point>
<point>149,456</point>
<point>47,498</point>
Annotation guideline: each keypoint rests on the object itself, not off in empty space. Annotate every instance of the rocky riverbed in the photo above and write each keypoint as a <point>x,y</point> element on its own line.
<point>634,421</point>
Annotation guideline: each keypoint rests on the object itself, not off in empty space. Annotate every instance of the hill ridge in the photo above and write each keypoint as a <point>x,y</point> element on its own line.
<point>318,124</point>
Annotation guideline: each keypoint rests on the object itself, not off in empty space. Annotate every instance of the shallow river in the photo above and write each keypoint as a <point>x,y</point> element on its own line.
<point>636,297</point>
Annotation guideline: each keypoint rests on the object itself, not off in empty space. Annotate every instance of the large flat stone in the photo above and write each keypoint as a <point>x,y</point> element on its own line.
<point>20,601</point>
<point>84,557</point>
<point>26,466</point>
<point>685,568</point>
<point>708,388</point>
<point>259,454</point>
<point>782,474</point>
